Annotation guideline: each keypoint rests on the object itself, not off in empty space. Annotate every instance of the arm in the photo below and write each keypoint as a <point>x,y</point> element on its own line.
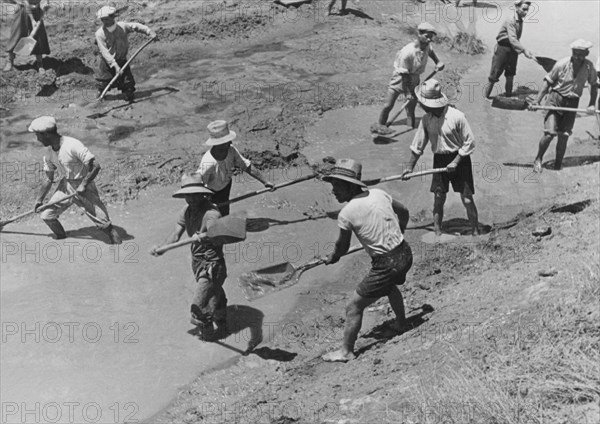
<point>543,92</point>
<point>257,176</point>
<point>341,246</point>
<point>135,27</point>
<point>468,146</point>
<point>402,212</point>
<point>514,41</point>
<point>593,97</point>
<point>93,169</point>
<point>419,142</point>
<point>439,66</point>
<point>104,51</point>
<point>171,238</point>
<point>44,189</point>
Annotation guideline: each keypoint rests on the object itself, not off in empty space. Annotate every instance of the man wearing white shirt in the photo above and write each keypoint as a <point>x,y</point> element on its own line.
<point>452,143</point>
<point>77,167</point>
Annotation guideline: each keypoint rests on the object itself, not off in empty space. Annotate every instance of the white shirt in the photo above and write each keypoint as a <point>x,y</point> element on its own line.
<point>216,174</point>
<point>374,222</point>
<point>448,133</point>
<point>70,160</point>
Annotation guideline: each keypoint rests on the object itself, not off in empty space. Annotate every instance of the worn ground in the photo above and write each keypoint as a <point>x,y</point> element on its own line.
<point>514,333</point>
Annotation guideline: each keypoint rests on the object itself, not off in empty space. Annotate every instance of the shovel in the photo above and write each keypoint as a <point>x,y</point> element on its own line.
<point>518,104</point>
<point>399,176</point>
<point>546,62</point>
<point>391,121</point>
<point>26,44</point>
<point>41,208</point>
<point>256,284</point>
<point>112,81</point>
<point>226,230</point>
<point>265,190</point>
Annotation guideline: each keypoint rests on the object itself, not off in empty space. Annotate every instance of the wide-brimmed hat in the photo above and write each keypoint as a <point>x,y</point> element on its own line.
<point>426,26</point>
<point>581,44</point>
<point>346,170</point>
<point>429,94</point>
<point>106,11</point>
<point>42,124</point>
<point>219,133</point>
<point>192,184</point>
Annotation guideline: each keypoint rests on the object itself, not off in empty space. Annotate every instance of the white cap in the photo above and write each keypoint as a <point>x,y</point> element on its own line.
<point>426,26</point>
<point>42,124</point>
<point>581,44</point>
<point>106,11</point>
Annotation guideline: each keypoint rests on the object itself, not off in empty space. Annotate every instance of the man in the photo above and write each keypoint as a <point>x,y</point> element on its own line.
<point>565,84</point>
<point>378,221</point>
<point>113,43</point>
<point>508,49</point>
<point>452,143</point>
<point>77,167</point>
<point>208,263</point>
<point>220,162</point>
<point>22,25</point>
<point>409,64</point>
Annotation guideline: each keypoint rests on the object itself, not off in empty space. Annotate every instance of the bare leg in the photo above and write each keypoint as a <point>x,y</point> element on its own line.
<point>410,112</point>
<point>488,90</point>
<point>561,149</point>
<point>57,228</point>
<point>389,105</point>
<point>469,204</point>
<point>330,7</point>
<point>343,9</point>
<point>354,316</point>
<point>397,304</point>
<point>39,62</point>
<point>544,143</point>
<point>508,87</point>
<point>10,65</point>
<point>438,212</point>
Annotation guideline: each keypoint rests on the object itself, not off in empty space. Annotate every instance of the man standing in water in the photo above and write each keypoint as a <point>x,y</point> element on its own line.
<point>565,83</point>
<point>508,49</point>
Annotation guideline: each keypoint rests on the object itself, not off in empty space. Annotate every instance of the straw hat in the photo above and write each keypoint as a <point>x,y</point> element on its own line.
<point>429,94</point>
<point>219,133</point>
<point>346,170</point>
<point>43,124</point>
<point>192,184</point>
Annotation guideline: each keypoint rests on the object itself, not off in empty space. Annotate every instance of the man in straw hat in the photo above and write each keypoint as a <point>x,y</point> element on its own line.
<point>209,305</point>
<point>409,64</point>
<point>378,221</point>
<point>77,168</point>
<point>112,40</point>
<point>508,49</point>
<point>220,162</point>
<point>565,84</point>
<point>452,143</point>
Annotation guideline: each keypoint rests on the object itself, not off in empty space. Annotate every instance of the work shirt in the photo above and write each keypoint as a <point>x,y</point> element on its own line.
<point>448,133</point>
<point>195,220</point>
<point>411,59</point>
<point>562,80</point>
<point>217,174</point>
<point>115,45</point>
<point>511,31</point>
<point>70,160</point>
<point>374,222</point>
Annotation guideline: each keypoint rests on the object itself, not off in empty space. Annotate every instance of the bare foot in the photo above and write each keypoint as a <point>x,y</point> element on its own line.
<point>537,166</point>
<point>338,356</point>
<point>9,67</point>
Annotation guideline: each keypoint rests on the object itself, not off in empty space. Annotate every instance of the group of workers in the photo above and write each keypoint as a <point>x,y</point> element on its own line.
<point>377,220</point>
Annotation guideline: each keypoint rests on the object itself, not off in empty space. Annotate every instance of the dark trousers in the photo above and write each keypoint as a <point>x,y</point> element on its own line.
<point>105,74</point>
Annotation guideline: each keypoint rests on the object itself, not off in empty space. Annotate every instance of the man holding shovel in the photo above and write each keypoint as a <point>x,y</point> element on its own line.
<point>378,221</point>
<point>208,263</point>
<point>220,162</point>
<point>565,83</point>
<point>508,49</point>
<point>452,143</point>
<point>78,168</point>
<point>112,40</point>
<point>28,14</point>
<point>409,64</point>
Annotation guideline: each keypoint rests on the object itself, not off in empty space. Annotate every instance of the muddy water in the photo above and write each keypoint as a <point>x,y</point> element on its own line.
<point>502,137</point>
<point>92,332</point>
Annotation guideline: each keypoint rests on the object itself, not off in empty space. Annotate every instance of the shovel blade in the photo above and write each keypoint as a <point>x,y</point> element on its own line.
<point>282,268</point>
<point>509,103</point>
<point>546,62</point>
<point>25,46</point>
<point>229,229</point>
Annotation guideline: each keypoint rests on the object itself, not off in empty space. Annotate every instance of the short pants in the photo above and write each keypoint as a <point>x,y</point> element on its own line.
<point>386,271</point>
<point>504,61</point>
<point>462,179</point>
<point>557,122</point>
<point>210,296</point>
<point>395,84</point>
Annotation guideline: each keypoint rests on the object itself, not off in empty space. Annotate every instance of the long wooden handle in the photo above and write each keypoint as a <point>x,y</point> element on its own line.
<point>118,74</point>
<point>406,103</point>
<point>41,208</point>
<point>34,24</point>
<point>265,190</point>
<point>171,246</point>
<point>562,109</point>
<point>399,176</point>
<point>321,261</point>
